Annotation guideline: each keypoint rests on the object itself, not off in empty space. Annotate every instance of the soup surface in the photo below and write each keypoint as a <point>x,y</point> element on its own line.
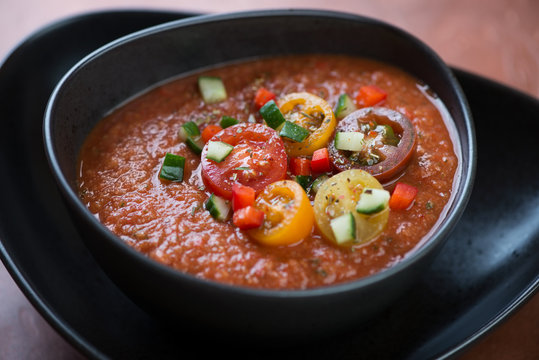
<point>121,161</point>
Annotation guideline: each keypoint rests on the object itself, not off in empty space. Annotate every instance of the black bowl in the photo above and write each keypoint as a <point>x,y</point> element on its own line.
<point>126,67</point>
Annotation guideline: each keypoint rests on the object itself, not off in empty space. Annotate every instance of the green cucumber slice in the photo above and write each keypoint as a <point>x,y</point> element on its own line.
<point>352,141</point>
<point>344,228</point>
<point>195,144</point>
<point>218,150</point>
<point>304,181</point>
<point>372,201</point>
<point>187,130</point>
<point>227,121</point>
<point>272,115</point>
<point>172,168</point>
<point>345,106</point>
<point>212,89</point>
<point>294,132</point>
<point>218,207</point>
<point>318,182</point>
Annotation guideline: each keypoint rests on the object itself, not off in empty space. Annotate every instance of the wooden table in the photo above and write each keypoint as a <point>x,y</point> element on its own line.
<point>497,39</point>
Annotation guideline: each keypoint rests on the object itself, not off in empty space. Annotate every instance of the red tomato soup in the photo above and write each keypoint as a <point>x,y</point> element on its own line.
<point>310,187</point>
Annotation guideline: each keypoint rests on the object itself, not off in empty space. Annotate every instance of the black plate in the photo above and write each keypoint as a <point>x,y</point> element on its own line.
<point>486,270</point>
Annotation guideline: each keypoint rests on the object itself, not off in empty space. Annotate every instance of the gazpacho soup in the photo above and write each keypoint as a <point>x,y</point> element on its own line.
<point>290,172</point>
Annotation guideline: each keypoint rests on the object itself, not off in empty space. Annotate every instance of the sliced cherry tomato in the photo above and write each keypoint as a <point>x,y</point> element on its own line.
<point>300,166</point>
<point>320,162</point>
<point>248,218</point>
<point>262,96</point>
<point>209,131</point>
<point>289,216</point>
<point>339,195</point>
<point>390,141</point>
<point>258,159</point>
<point>312,113</point>
<point>402,197</point>
<point>370,95</point>
<point>242,196</point>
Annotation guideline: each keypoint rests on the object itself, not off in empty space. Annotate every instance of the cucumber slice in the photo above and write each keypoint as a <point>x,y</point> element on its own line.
<point>212,89</point>
<point>372,201</point>
<point>227,121</point>
<point>352,141</point>
<point>345,106</point>
<point>195,144</point>
<point>344,228</point>
<point>272,115</point>
<point>218,207</point>
<point>172,168</point>
<point>294,132</point>
<point>304,181</point>
<point>187,130</point>
<point>218,150</point>
<point>318,182</point>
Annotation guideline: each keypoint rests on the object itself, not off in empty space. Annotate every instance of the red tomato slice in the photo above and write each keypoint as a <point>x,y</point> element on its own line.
<point>383,156</point>
<point>257,160</point>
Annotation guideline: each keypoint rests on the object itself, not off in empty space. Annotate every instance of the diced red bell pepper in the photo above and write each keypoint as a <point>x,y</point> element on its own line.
<point>402,197</point>
<point>248,218</point>
<point>262,96</point>
<point>300,166</point>
<point>320,162</point>
<point>209,131</point>
<point>370,95</point>
<point>242,196</point>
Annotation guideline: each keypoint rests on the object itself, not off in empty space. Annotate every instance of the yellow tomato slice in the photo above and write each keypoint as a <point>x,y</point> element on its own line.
<point>312,113</point>
<point>289,216</point>
<point>339,195</point>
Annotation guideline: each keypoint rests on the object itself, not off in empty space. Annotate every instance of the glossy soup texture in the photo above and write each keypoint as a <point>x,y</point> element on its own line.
<point>120,161</point>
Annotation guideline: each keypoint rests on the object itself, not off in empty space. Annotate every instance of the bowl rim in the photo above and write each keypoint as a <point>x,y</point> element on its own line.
<point>464,177</point>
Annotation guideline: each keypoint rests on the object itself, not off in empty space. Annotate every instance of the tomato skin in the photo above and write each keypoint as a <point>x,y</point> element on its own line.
<point>242,196</point>
<point>300,166</point>
<point>262,96</point>
<point>289,216</point>
<point>370,95</point>
<point>248,218</point>
<point>339,195</point>
<point>209,131</point>
<point>312,106</point>
<point>393,159</point>
<point>402,197</point>
<point>258,159</point>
